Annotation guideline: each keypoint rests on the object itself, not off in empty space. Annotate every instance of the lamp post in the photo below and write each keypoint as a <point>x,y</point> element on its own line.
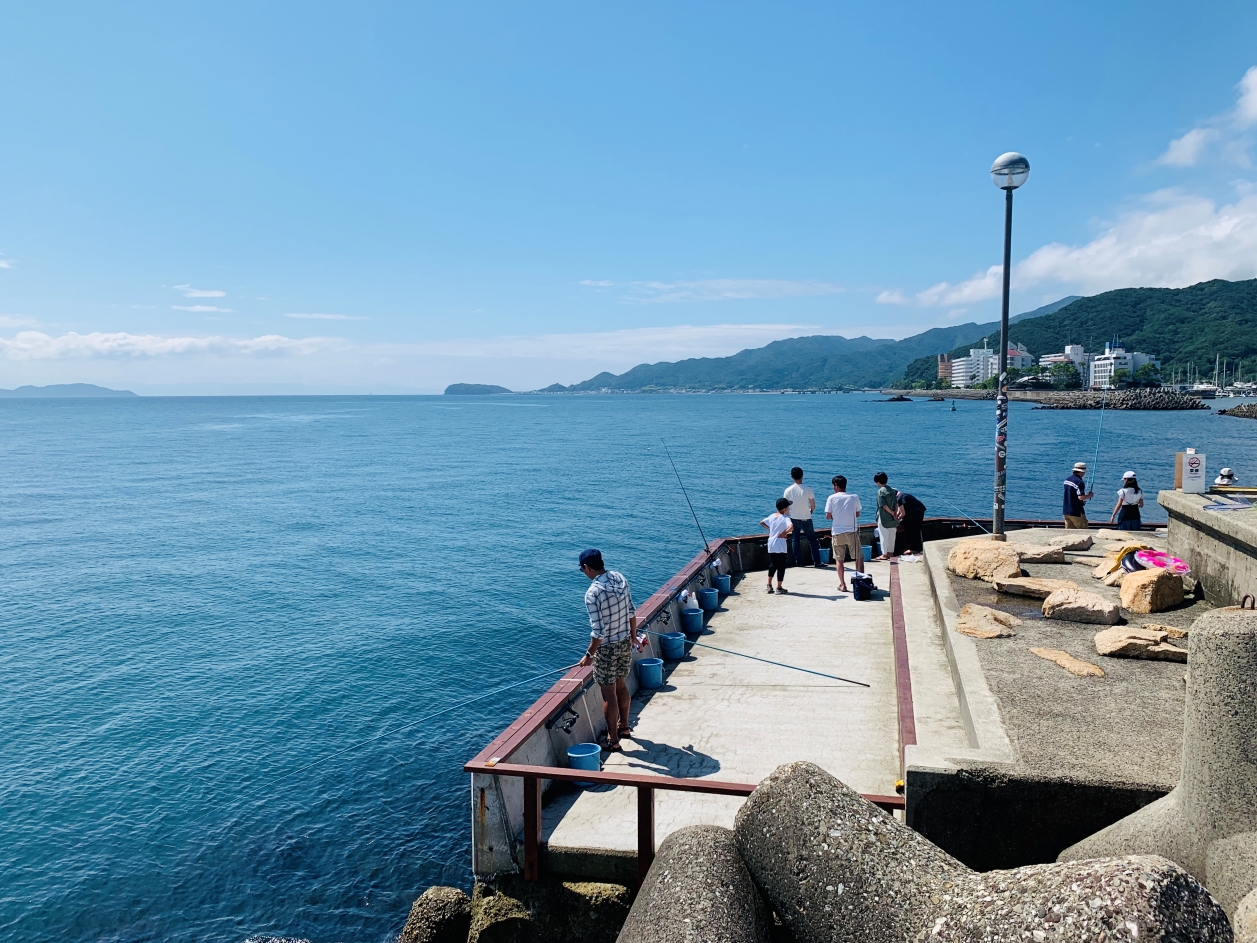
<point>1008,173</point>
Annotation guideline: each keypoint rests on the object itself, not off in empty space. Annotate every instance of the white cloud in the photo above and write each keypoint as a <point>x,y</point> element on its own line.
<point>330,317</point>
<point>190,292</point>
<point>200,308</point>
<point>1246,106</point>
<point>1187,150</point>
<point>6,263</point>
<point>12,320</point>
<point>35,345</point>
<point>1175,239</point>
<point>717,289</point>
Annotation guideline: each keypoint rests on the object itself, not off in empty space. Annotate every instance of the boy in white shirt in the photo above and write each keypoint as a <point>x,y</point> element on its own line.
<point>844,510</point>
<point>779,527</point>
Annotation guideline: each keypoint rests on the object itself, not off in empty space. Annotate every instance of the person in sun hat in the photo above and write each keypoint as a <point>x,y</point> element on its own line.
<point>1129,500</point>
<point>1225,477</point>
<point>613,620</point>
<point>1076,498</point>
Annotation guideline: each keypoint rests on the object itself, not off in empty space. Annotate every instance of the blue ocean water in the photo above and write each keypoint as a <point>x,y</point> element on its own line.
<point>203,595</point>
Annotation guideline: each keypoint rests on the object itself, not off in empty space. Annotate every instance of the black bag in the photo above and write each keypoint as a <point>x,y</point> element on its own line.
<point>862,586</point>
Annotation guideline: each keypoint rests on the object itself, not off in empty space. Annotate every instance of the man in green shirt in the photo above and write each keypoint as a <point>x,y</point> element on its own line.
<point>886,520</point>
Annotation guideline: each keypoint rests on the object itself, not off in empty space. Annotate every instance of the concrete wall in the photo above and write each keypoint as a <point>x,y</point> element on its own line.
<point>1220,547</point>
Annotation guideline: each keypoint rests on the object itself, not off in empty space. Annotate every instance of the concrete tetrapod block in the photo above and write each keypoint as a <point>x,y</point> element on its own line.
<point>440,915</point>
<point>835,867</point>
<point>697,891</point>
<point>1205,823</point>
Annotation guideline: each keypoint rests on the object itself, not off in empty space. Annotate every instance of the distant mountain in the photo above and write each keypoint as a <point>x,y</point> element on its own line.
<point>1181,326</point>
<point>820,362</point>
<point>473,389</point>
<point>61,391</point>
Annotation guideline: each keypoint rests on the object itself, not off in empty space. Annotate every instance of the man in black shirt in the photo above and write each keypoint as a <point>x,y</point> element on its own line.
<point>910,513</point>
<point>1076,497</point>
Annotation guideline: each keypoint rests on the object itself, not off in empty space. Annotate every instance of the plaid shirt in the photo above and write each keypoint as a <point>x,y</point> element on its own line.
<point>610,606</point>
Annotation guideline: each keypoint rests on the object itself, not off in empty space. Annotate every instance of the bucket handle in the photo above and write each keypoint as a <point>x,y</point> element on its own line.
<point>1249,602</point>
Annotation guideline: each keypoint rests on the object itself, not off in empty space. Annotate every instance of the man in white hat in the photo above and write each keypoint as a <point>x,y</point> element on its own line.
<point>1225,477</point>
<point>1076,498</point>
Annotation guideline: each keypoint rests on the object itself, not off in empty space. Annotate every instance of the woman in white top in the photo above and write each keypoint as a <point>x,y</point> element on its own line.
<point>1129,500</point>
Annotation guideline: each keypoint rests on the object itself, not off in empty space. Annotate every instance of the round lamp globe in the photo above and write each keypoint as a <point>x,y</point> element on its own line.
<point>1010,171</point>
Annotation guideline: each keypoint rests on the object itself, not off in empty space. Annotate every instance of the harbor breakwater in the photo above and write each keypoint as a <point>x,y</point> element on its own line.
<point>1073,399</point>
<point>1246,411</point>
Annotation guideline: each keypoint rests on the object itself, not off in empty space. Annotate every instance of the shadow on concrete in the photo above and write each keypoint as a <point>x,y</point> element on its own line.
<point>685,762</point>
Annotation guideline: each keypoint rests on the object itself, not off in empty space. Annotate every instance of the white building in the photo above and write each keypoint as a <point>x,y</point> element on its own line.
<point>982,364</point>
<point>1113,359</point>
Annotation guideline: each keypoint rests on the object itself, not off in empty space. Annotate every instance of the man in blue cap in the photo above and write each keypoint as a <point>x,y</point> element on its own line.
<point>613,623</point>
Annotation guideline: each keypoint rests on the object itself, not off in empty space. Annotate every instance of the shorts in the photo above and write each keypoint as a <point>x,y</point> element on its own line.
<point>1073,522</point>
<point>612,662</point>
<point>850,542</point>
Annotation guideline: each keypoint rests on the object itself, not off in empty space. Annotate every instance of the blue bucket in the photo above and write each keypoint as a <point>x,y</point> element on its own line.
<point>824,557</point>
<point>724,584</point>
<point>709,599</point>
<point>692,621</point>
<point>650,672</point>
<point>584,756</point>
<point>673,644</point>
<point>868,552</point>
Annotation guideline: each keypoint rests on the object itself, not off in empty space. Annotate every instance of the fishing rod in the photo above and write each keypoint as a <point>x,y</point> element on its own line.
<point>766,661</point>
<point>1095,461</point>
<point>966,516</point>
<point>361,743</point>
<point>706,545</point>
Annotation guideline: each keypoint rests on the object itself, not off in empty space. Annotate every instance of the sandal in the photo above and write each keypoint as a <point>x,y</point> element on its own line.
<point>624,732</point>
<point>610,747</point>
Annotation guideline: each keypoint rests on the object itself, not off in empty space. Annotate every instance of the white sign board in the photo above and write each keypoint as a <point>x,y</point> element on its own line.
<point>1194,479</point>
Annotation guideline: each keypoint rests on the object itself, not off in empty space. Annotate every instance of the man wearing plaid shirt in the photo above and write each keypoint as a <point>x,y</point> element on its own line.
<point>612,639</point>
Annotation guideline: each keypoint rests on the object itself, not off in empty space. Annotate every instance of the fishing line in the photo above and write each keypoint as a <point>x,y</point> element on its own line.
<point>965,516</point>
<point>414,723</point>
<point>706,545</point>
<point>767,662</point>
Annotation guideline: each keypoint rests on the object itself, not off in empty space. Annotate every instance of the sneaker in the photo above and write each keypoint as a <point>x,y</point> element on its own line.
<point>770,590</point>
<point>782,590</point>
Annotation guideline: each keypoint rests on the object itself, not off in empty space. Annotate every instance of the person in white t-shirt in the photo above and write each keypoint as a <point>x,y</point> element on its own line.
<point>1129,500</point>
<point>843,510</point>
<point>779,527</point>
<point>802,505</point>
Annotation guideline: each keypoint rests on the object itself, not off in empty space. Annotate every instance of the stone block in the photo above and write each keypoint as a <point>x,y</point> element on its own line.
<point>1075,666</point>
<point>1115,578</point>
<point>1129,642</point>
<point>1151,590</point>
<point>1207,823</point>
<point>1034,553</point>
<point>1171,631</point>
<point>698,890</point>
<point>440,915</point>
<point>984,559</point>
<point>1076,605</point>
<point>985,622</point>
<point>835,867</point>
<point>1031,586</point>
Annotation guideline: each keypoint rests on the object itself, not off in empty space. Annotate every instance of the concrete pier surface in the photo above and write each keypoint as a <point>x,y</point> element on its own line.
<point>733,719</point>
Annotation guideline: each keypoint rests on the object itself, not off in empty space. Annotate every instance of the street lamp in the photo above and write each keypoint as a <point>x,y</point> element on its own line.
<point>1008,173</point>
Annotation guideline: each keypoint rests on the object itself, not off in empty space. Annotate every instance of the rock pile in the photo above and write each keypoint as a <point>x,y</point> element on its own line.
<point>1246,411</point>
<point>835,867</point>
<point>1120,399</point>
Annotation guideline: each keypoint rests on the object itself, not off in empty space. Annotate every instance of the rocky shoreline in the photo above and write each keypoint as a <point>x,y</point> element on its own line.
<point>1120,399</point>
<point>1246,411</point>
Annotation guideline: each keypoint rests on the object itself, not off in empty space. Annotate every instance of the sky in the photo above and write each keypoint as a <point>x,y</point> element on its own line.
<point>280,198</point>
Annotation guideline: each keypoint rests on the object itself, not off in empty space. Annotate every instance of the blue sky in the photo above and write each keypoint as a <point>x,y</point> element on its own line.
<point>371,197</point>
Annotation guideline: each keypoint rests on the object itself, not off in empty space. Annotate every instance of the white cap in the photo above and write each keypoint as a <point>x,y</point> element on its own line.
<point>1080,466</point>
<point>1129,474</point>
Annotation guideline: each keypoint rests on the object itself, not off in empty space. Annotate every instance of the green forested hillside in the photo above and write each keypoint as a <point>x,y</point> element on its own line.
<point>821,362</point>
<point>1179,325</point>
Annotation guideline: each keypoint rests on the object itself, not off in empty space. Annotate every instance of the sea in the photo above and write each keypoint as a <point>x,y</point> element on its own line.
<point>240,637</point>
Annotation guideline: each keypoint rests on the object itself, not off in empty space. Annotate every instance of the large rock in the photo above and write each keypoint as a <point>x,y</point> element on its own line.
<point>1031,586</point>
<point>697,890</point>
<point>1208,822</point>
<point>984,559</point>
<point>1151,590</point>
<point>1050,538</point>
<point>1076,605</point>
<point>835,867</point>
<point>509,909</point>
<point>1038,553</point>
<point>985,622</point>
<point>1130,642</point>
<point>440,915</point>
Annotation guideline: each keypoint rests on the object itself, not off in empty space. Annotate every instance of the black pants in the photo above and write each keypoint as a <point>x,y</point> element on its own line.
<point>804,529</point>
<point>776,564</point>
<point>909,536</point>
